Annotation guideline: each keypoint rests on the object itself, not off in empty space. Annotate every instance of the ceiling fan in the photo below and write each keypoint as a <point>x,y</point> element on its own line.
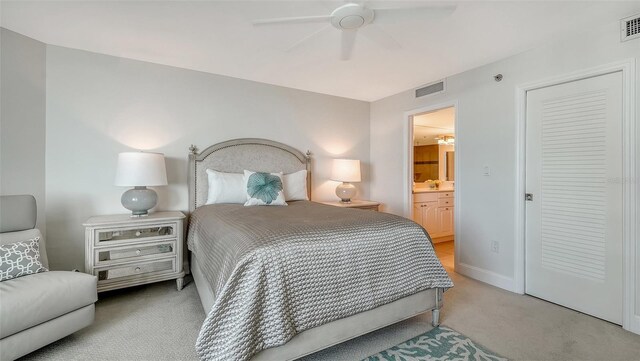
<point>353,18</point>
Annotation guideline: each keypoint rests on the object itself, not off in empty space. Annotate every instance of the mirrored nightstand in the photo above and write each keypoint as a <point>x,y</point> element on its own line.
<point>123,251</point>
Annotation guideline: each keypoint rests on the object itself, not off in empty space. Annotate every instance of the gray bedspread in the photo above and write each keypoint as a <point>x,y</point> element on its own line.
<point>279,270</point>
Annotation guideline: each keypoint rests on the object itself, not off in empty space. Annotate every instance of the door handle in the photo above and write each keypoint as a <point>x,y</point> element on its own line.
<point>528,197</point>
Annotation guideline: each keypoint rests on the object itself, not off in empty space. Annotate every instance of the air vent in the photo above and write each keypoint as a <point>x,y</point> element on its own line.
<point>430,89</point>
<point>630,28</point>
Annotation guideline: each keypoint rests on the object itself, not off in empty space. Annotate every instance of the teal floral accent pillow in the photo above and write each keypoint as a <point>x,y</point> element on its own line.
<point>264,189</point>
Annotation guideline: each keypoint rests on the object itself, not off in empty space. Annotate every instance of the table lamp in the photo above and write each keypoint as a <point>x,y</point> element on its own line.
<point>346,171</point>
<point>139,170</point>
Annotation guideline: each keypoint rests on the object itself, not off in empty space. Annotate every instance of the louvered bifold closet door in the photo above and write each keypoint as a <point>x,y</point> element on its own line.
<point>574,171</point>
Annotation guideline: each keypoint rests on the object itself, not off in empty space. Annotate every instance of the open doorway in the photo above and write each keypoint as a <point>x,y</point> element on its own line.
<point>432,168</point>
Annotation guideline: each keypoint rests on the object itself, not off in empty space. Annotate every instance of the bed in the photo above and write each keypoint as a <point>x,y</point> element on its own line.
<point>279,283</point>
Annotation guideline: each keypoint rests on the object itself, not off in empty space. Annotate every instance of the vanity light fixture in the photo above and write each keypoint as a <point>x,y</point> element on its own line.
<point>446,139</point>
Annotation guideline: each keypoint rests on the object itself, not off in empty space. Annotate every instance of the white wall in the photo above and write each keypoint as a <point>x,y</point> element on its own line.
<point>22,118</point>
<point>486,135</point>
<point>98,106</point>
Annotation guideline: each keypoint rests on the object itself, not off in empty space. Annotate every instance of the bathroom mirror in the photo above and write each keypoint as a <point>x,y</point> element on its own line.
<point>449,161</point>
<point>433,145</point>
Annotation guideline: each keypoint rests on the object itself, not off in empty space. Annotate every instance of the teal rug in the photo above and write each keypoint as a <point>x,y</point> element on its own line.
<point>441,343</point>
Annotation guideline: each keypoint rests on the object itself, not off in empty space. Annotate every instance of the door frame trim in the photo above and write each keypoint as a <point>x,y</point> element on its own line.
<point>408,167</point>
<point>630,316</point>
<point>408,150</point>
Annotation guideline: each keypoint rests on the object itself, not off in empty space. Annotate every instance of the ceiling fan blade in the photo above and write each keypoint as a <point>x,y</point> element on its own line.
<point>391,5</point>
<point>380,37</point>
<point>301,41</point>
<point>348,42</point>
<point>293,20</point>
<point>392,14</point>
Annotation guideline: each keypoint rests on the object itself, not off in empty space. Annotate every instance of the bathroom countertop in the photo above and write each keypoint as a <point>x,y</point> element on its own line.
<point>429,190</point>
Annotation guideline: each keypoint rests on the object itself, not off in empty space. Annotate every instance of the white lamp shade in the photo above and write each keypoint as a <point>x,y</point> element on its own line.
<point>346,170</point>
<point>141,169</point>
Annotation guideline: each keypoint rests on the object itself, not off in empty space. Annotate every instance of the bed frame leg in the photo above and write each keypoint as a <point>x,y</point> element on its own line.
<point>435,313</point>
<point>435,318</point>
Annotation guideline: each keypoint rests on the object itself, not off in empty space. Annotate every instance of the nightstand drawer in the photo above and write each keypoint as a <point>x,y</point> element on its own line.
<point>107,236</point>
<point>140,251</point>
<point>356,204</point>
<point>118,272</point>
<point>368,208</point>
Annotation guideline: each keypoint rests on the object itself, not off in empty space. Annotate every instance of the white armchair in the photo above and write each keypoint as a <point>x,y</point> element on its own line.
<point>40,308</point>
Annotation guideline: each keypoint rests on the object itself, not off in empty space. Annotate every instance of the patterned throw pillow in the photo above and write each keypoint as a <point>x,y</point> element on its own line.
<point>264,189</point>
<point>20,259</point>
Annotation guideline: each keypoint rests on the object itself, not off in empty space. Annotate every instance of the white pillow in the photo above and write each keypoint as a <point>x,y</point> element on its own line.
<point>264,189</point>
<point>295,186</point>
<point>226,187</point>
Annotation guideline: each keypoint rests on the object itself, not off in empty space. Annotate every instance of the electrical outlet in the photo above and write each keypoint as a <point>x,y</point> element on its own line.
<point>495,247</point>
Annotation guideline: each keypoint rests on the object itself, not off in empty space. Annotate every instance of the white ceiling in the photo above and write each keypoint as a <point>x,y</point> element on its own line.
<point>217,37</point>
<point>428,126</point>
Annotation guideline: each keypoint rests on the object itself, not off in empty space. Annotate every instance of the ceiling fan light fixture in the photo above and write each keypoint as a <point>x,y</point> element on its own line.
<point>351,16</point>
<point>351,22</point>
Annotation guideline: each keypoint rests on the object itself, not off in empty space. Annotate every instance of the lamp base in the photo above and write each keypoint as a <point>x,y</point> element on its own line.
<point>346,191</point>
<point>139,201</point>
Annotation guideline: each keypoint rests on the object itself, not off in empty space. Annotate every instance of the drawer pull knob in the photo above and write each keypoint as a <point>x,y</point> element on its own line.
<point>138,233</point>
<point>137,269</point>
<point>138,252</point>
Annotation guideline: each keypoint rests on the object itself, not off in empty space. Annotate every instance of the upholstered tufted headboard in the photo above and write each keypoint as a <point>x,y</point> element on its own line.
<point>234,156</point>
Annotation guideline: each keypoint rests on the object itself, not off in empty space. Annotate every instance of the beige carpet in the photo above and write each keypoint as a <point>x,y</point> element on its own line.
<point>156,322</point>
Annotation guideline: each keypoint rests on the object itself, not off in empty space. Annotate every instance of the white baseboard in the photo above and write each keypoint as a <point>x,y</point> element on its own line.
<point>485,276</point>
<point>634,325</point>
